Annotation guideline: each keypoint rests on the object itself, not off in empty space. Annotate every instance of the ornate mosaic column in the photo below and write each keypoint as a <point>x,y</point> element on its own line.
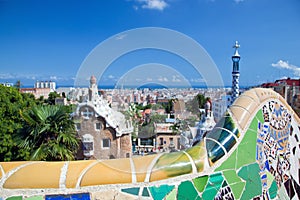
<point>235,73</point>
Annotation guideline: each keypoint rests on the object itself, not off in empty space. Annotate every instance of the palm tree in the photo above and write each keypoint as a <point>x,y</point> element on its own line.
<point>48,133</point>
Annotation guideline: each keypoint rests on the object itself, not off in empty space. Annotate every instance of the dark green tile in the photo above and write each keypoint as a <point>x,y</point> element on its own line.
<point>214,151</point>
<point>214,184</point>
<point>15,198</point>
<point>145,192</point>
<point>186,190</point>
<point>273,190</point>
<point>160,192</point>
<point>134,191</point>
<point>250,173</point>
<point>200,183</point>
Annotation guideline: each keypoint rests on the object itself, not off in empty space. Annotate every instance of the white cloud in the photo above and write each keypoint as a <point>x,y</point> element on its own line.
<point>53,78</point>
<point>111,77</point>
<point>197,80</point>
<point>152,4</point>
<point>121,37</point>
<point>176,78</point>
<point>163,79</point>
<point>285,65</point>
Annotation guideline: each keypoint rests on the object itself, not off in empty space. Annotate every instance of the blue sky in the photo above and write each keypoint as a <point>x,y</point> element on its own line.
<point>43,40</point>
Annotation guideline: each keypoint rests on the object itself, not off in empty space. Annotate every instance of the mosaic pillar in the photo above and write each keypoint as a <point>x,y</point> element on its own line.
<point>235,73</point>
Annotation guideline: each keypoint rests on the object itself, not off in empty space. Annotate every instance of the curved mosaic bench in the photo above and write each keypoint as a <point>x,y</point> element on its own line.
<point>252,152</point>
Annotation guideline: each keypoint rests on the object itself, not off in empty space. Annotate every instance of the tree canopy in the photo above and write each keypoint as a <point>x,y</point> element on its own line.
<point>23,121</point>
<point>48,133</point>
<point>11,102</point>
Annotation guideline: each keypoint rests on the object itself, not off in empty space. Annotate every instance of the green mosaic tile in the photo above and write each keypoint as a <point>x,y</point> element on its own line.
<point>259,116</point>
<point>160,192</point>
<point>237,189</point>
<point>186,190</point>
<point>270,178</point>
<point>254,124</point>
<point>134,191</point>
<point>200,183</point>
<point>213,186</point>
<point>229,163</point>
<point>250,174</point>
<point>231,176</point>
<point>273,190</point>
<point>15,198</point>
<point>145,192</point>
<point>247,149</point>
<point>171,195</point>
<point>35,198</point>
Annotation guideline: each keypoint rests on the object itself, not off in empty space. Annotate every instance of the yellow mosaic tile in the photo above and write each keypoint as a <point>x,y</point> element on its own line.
<point>74,171</point>
<point>171,165</point>
<point>108,172</point>
<point>37,175</point>
<point>1,174</point>
<point>7,166</point>
<point>199,155</point>
<point>141,165</point>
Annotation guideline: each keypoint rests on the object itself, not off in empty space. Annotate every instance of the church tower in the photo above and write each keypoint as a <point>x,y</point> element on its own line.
<point>93,90</point>
<point>235,73</point>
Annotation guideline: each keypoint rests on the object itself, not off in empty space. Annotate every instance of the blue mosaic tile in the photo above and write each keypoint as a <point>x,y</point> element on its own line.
<point>82,196</point>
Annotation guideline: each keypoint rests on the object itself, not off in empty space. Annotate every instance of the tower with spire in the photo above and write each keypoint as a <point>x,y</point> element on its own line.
<point>235,73</point>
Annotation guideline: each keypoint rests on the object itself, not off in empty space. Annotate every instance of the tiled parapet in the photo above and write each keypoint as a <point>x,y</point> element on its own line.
<point>252,152</point>
<point>221,139</point>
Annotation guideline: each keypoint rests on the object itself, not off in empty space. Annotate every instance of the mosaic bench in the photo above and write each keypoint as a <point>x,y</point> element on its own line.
<point>252,153</point>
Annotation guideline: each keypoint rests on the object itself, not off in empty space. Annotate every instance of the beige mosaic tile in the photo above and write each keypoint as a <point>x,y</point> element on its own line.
<point>241,115</point>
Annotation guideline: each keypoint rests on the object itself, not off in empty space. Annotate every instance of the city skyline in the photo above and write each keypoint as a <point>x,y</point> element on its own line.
<point>50,40</point>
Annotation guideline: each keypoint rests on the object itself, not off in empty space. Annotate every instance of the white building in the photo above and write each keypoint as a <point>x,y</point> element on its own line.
<point>46,84</point>
<point>219,106</point>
